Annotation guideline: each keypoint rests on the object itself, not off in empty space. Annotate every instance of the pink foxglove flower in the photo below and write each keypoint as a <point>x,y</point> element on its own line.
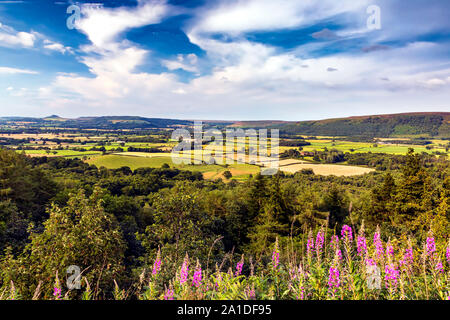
<point>319,242</point>
<point>184,273</point>
<point>431,246</point>
<point>197,278</point>
<point>391,276</point>
<point>346,233</point>
<point>361,245</point>
<point>239,267</point>
<point>157,263</point>
<point>334,280</point>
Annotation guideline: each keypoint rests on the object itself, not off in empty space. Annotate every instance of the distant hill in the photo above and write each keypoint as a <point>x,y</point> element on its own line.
<point>427,124</point>
<point>403,124</point>
<point>109,122</point>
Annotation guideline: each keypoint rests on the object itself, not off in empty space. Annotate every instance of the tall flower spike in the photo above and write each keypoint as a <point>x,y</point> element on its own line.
<point>346,233</point>
<point>389,250</point>
<point>309,244</point>
<point>276,254</point>
<point>439,267</point>
<point>334,243</point>
<point>333,279</point>
<point>361,246</point>
<point>391,276</point>
<point>431,245</point>
<point>239,266</point>
<point>447,253</point>
<point>184,273</point>
<point>197,279</point>
<point>168,295</point>
<point>378,243</point>
<point>319,242</point>
<point>157,263</point>
<point>361,243</point>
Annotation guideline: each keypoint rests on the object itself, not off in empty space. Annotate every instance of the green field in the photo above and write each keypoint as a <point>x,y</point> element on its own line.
<point>355,147</point>
<point>114,161</point>
<point>60,153</point>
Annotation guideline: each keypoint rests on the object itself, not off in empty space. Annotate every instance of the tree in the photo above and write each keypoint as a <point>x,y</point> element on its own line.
<point>336,203</point>
<point>179,225</point>
<point>381,204</point>
<point>227,174</point>
<point>413,192</point>
<point>80,234</point>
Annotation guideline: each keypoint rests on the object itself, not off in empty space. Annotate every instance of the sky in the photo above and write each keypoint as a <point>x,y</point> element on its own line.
<point>224,59</point>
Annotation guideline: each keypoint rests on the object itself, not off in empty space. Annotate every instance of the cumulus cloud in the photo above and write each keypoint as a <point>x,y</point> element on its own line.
<point>9,37</point>
<point>103,25</point>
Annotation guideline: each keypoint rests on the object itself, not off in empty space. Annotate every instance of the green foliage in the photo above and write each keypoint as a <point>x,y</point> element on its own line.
<point>81,234</point>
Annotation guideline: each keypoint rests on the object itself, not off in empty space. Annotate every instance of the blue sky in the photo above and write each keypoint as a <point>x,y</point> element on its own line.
<point>217,59</point>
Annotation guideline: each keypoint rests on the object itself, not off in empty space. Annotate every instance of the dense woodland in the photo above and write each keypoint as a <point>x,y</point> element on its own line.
<point>433,124</point>
<point>56,212</point>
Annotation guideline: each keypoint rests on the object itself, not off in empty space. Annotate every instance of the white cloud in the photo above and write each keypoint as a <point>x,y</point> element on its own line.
<point>187,63</point>
<point>10,37</point>
<point>55,46</point>
<point>251,15</point>
<point>246,77</point>
<point>103,25</point>
<point>8,70</point>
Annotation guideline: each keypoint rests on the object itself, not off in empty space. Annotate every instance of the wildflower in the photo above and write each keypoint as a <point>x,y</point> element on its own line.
<point>334,243</point>
<point>338,254</point>
<point>408,257</point>
<point>319,242</point>
<point>239,266</point>
<point>391,276</point>
<point>371,262</point>
<point>184,273</point>
<point>293,273</point>
<point>197,279</point>
<point>333,279</point>
<point>250,292</point>
<point>389,250</point>
<point>301,294</point>
<point>378,244</point>
<point>168,295</point>
<point>57,293</point>
<point>439,267</point>
<point>361,245</point>
<point>276,255</point>
<point>157,263</point>
<point>447,254</point>
<point>346,233</point>
<point>431,246</point>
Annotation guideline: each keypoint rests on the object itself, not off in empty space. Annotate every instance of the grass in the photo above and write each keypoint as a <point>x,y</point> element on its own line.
<point>156,160</point>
